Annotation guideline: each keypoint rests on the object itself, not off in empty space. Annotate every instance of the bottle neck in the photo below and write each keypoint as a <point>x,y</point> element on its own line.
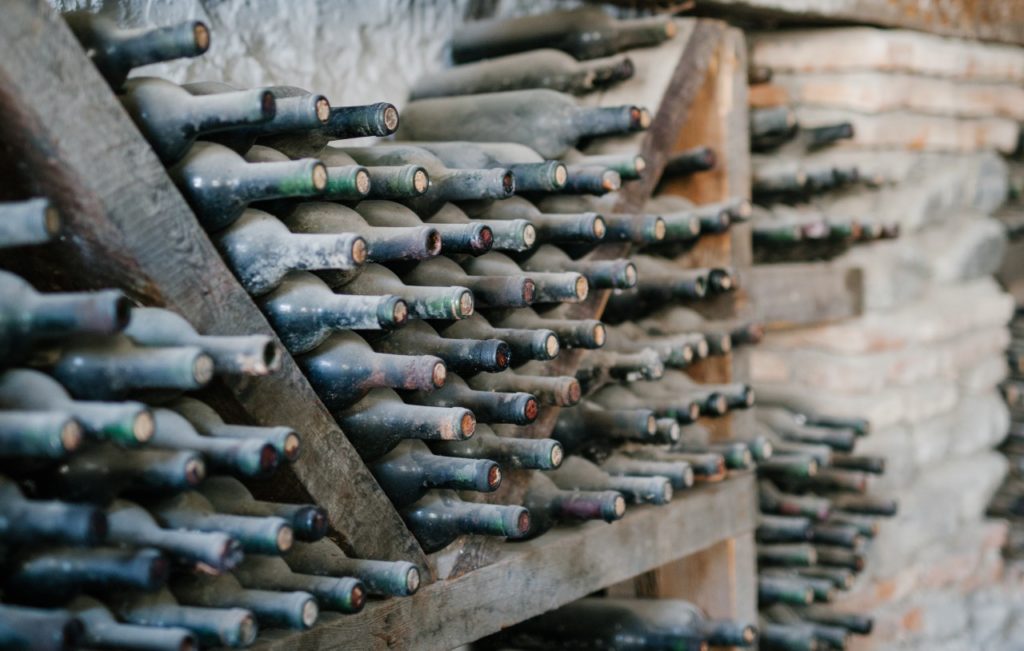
<point>473,184</point>
<point>380,119</point>
<point>602,121</point>
<point>57,315</point>
<point>232,109</point>
<point>137,48</point>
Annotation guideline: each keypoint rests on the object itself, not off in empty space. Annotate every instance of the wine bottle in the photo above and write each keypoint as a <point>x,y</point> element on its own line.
<point>551,286</point>
<point>440,517</point>
<point>600,274</point>
<point>679,473</point>
<point>115,51</point>
<point>782,529</point>
<point>772,500</point>
<point>24,521</point>
<point>791,427</point>
<point>540,68</point>
<point>257,535</point>
<point>410,470</point>
<point>296,610</point>
<point>244,457</point>
<point>787,555</point>
<point>28,317</point>
<point>55,575</point>
<point>690,161</point>
<point>444,301</point>
<point>38,629</point>
<point>770,127</point>
<point>561,391</point>
<point>171,118</point>
<point>230,627</point>
<point>838,535</point>
<point>548,505</point>
<point>674,351</point>
<point>379,119</point>
<point>586,227</point>
<point>130,524</point>
<point>380,420</point>
<point>390,182</point>
<point>344,182</point>
<point>599,367</point>
<point>489,289</point>
<point>99,473</point>
<point>114,367</point>
<point>383,243</point>
<point>866,505</point>
<point>628,166</point>
<point>576,473</point>
<point>587,422</point>
<point>464,356</point>
<point>207,422</point>
<point>525,344</point>
<point>683,408</point>
<point>822,589</point>
<point>228,495</point>
<point>585,33</point>
<point>509,451</point>
<point>341,594</point>
<point>219,184</point>
<point>638,228</point>
<point>446,184</point>
<point>234,355</point>
<point>785,465</point>
<point>572,333</point>
<point>261,251</point>
<point>304,311</point>
<point>532,172</point>
<point>344,368</point>
<point>382,578</point>
<point>38,435</point>
<point>591,180</point>
<point>102,630</point>
<point>513,116</point>
<point>779,637</point>
<point>296,110</point>
<point>617,623</point>
<point>506,235</point>
<point>24,223</point>
<point>488,406</point>
<point>457,235</point>
<point>874,465</point>
<point>772,589</point>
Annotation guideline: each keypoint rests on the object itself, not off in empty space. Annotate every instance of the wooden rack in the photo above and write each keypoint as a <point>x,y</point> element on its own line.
<point>66,137</point>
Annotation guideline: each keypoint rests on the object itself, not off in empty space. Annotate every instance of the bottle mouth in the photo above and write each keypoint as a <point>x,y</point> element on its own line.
<point>438,374</point>
<point>412,580</point>
<point>246,630</point>
<point>309,613</point>
<point>529,235</point>
<point>323,110</point>
<point>581,288</point>
<point>268,104</point>
<point>467,425</point>
<point>70,435</point>
<point>194,471</point>
<point>529,291</point>
<point>551,346</point>
<point>660,229</point>
<point>494,477</point>
<point>357,598</point>
<point>284,539</point>
<point>650,425</point>
<point>610,181</point>
<point>319,177</point>
<point>432,243</point>
<point>271,355</point>
<point>629,276</point>
<point>508,183</point>
<point>502,355</point>
<point>599,228</point>
<point>556,455</point>
<point>639,164</point>
<point>201,37</point>
<point>560,176</point>
<point>599,335</point>
<point>575,391</point>
<point>618,507</point>
<point>291,446</point>
<point>399,312</point>
<point>52,222</point>
<point>188,642</point>
<point>465,304</point>
<point>363,182</point>
<point>484,239</point>
<point>202,369</point>
<point>268,459</point>
<point>358,252</point>
<point>530,410</point>
<point>390,118</point>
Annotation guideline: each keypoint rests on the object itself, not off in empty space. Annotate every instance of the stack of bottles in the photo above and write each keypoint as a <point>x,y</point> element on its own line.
<point>817,520</point>
<point>792,165</point>
<point>1008,502</point>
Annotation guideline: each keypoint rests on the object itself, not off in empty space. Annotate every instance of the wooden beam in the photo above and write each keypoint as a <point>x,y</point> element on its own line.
<point>537,576</point>
<point>128,227</point>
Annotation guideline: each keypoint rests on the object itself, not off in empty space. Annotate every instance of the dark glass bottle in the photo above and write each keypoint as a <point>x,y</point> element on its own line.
<point>24,223</point>
<point>584,227</point>
<point>550,286</point>
<point>577,473</point>
<point>215,627</point>
<point>101,472</point>
<point>679,473</point>
<point>457,236</point>
<point>548,504</point>
<point>594,180</point>
<point>506,235</point>
<point>509,451</point>
<point>52,576</point>
<point>207,422</point>
<point>525,344</point>
<point>442,301</point>
<point>24,521</point>
<point>487,406</point>
<point>572,333</point>
<point>489,290</point>
<point>257,535</point>
<point>341,594</point>
<point>562,391</point>
<point>408,471</point>
<point>278,609</point>
<point>38,435</point>
<point>379,119</point>
<point>587,423</point>
<point>440,517</point>
<point>466,356</point>
<point>620,273</point>
<point>684,409</point>
<point>243,457</point>
<point>39,629</point>
<point>382,578</point>
<point>102,630</point>
<point>228,495</point>
<point>627,166</point>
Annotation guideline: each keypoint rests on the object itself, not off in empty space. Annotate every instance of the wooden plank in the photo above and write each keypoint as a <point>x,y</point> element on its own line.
<point>804,293</point>
<point>767,96</point>
<point>129,227</point>
<point>537,576</point>
<point>987,20</point>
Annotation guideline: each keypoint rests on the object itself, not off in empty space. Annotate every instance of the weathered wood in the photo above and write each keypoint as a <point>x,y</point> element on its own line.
<point>987,20</point>
<point>537,576</point>
<point>804,293</point>
<point>767,96</point>
<point>128,227</point>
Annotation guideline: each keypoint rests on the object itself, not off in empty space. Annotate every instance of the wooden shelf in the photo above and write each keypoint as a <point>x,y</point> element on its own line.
<point>804,293</point>
<point>533,577</point>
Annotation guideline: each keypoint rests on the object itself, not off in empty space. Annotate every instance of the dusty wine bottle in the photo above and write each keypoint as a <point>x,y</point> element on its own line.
<point>587,422</point>
<point>410,470</point>
<point>585,33</point>
<point>599,367</point>
<point>130,524</point>
<point>261,251</point>
<point>234,355</point>
<point>601,274</point>
<point>257,535</point>
<point>207,422</point>
<point>115,51</point>
<point>509,451</point>
<point>525,344</point>
<point>540,68</point>
<point>772,500</point>
<point>551,286</point>
<point>382,578</point>
<point>380,421</point>
<point>440,517</point>
<point>586,227</point>
<point>513,116</point>
<point>230,627</point>
<point>38,629</point>
<point>24,223</point>
<point>682,408</point>
<point>787,555</point>
<point>228,495</point>
<point>391,182</point>
<point>114,367</point>
<point>457,235</point>
<point>591,180</point>
<point>28,317</point>
<point>532,172</point>
<point>102,630</point>
<point>244,457</point>
<point>101,472</point>
<point>24,521</point>
<point>341,594</point>
<point>679,473</point>
<point>549,505</point>
<point>379,119</point>
<point>562,391</point>
<point>344,182</point>
<point>464,356</point>
<point>171,118</point>
<point>38,435</point>
<point>304,311</point>
<point>576,473</point>
<point>488,406</point>
<point>627,166</point>
<point>506,235</point>
<point>690,161</point>
<point>444,301</point>
<point>55,575</point>
<point>489,290</point>
<point>772,589</point>
<point>219,184</point>
<point>280,609</point>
